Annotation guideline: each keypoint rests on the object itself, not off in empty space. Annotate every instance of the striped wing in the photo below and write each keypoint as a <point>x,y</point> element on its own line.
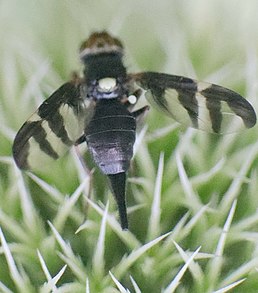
<point>57,124</point>
<point>200,105</point>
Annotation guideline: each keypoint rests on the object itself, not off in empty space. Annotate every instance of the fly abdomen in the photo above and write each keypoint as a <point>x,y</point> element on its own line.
<point>110,136</point>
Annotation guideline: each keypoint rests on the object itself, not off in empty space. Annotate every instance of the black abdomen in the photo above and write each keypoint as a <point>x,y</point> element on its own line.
<point>110,136</point>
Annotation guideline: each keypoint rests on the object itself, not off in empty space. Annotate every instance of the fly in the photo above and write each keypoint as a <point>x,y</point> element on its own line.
<point>97,109</point>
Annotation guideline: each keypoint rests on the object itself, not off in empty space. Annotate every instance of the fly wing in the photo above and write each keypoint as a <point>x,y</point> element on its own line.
<point>201,105</point>
<point>57,125</point>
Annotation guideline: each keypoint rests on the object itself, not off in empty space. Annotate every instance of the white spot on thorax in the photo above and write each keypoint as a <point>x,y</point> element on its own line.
<point>107,84</point>
<point>132,99</point>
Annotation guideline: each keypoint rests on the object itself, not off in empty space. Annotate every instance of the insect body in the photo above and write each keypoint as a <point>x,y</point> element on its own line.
<point>97,109</point>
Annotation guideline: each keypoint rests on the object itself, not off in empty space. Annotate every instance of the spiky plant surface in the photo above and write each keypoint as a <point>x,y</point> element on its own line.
<point>192,196</point>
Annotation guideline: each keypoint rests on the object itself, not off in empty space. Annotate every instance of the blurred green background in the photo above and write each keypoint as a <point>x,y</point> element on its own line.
<point>211,40</point>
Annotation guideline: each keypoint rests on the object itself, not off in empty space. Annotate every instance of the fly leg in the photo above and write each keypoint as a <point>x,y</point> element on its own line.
<point>140,114</point>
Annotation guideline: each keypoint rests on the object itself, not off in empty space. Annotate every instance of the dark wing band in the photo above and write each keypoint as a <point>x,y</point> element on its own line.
<point>57,124</point>
<point>200,105</point>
